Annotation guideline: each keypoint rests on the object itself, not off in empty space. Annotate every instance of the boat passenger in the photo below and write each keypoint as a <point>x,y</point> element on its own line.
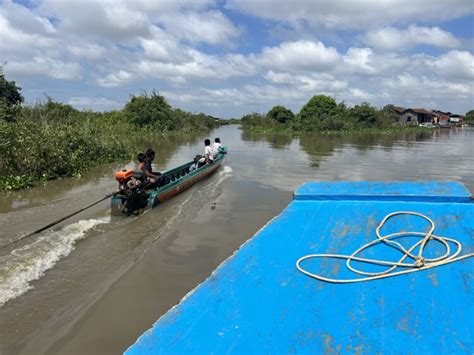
<point>215,147</point>
<point>151,179</point>
<point>195,165</point>
<point>208,157</point>
<point>150,155</point>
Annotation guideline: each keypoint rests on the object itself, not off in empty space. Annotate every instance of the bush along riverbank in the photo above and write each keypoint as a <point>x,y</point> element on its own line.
<point>51,139</point>
<point>324,115</point>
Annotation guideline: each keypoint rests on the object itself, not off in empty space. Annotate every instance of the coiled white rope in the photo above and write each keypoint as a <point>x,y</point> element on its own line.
<point>419,262</point>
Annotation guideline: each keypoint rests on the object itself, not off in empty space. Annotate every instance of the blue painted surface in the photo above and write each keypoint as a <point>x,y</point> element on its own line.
<point>430,191</point>
<point>257,301</point>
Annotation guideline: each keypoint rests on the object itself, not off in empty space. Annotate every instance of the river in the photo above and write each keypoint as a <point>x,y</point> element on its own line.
<point>94,283</point>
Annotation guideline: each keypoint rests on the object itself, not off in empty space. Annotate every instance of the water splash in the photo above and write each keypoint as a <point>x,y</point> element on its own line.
<point>227,170</point>
<point>30,262</point>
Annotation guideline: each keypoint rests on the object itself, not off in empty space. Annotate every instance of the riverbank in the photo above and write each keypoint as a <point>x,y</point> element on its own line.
<point>51,140</point>
<point>323,115</point>
<point>375,130</point>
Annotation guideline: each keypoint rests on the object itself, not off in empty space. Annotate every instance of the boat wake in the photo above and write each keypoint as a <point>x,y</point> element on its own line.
<point>22,266</point>
<point>223,174</point>
<point>227,170</point>
<point>199,196</point>
<point>19,268</point>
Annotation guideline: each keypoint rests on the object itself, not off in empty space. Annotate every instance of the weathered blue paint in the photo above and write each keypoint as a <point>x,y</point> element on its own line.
<point>257,301</point>
<point>430,191</point>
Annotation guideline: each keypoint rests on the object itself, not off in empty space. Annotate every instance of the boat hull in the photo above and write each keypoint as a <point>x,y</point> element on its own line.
<point>175,190</point>
<point>171,189</point>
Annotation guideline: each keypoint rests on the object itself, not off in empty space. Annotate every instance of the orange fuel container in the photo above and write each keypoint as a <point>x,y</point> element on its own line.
<point>124,175</point>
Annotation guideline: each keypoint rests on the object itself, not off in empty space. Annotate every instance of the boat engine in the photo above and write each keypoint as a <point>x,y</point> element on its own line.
<point>132,189</point>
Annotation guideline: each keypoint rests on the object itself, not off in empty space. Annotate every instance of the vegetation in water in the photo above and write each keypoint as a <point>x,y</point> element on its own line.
<point>469,117</point>
<point>323,114</point>
<point>51,139</point>
<point>230,121</point>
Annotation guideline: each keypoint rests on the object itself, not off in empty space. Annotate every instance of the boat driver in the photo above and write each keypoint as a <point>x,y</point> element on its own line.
<point>150,155</point>
<point>151,179</point>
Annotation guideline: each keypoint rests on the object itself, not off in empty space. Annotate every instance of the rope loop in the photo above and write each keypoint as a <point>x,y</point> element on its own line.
<point>419,262</point>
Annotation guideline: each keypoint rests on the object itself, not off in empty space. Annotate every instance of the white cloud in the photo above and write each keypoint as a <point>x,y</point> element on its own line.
<point>250,96</point>
<point>162,47</point>
<point>360,95</point>
<point>314,57</point>
<point>421,90</point>
<point>98,19</point>
<point>94,103</point>
<point>360,60</point>
<point>363,62</point>
<point>299,55</point>
<point>156,8</point>
<point>91,52</point>
<point>393,39</point>
<point>210,27</point>
<point>347,14</point>
<point>167,59</point>
<point>279,78</point>
<point>21,17</point>
<point>31,47</point>
<point>126,21</point>
<point>90,32</point>
<point>46,67</point>
<point>115,79</point>
<point>309,82</point>
<point>454,65</point>
<point>19,39</point>
<point>199,66</point>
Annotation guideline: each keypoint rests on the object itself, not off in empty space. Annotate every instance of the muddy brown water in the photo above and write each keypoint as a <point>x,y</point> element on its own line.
<point>94,283</point>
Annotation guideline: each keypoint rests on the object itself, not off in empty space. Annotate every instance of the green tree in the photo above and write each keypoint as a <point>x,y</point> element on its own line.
<point>10,98</point>
<point>364,115</point>
<point>256,120</point>
<point>280,114</point>
<point>52,111</point>
<point>9,92</point>
<point>469,117</point>
<point>317,110</point>
<point>150,110</point>
<point>387,117</point>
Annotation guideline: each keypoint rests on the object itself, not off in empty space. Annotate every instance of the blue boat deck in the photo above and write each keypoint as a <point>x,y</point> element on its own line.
<point>258,302</point>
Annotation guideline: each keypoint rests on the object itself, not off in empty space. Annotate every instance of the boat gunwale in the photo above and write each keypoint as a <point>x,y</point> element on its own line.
<point>166,188</point>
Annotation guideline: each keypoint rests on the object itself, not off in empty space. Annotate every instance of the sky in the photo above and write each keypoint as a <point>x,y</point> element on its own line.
<point>228,58</point>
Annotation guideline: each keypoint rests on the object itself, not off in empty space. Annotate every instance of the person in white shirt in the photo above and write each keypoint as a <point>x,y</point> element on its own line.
<point>208,156</point>
<point>215,147</point>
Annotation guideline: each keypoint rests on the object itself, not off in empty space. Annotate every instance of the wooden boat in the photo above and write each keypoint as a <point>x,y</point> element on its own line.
<point>176,181</point>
